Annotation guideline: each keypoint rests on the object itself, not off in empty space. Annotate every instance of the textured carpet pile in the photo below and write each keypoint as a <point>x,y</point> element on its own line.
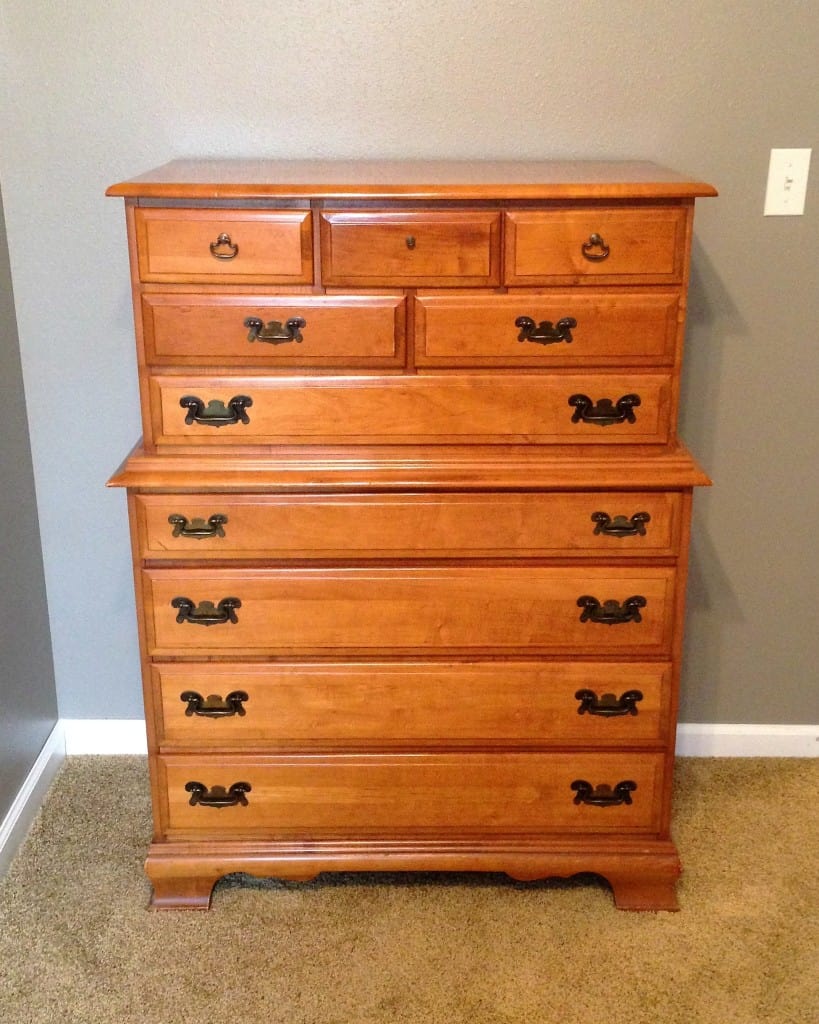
<point>77,945</point>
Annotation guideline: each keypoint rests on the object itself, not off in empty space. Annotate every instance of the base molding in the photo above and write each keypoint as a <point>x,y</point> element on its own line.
<point>642,873</point>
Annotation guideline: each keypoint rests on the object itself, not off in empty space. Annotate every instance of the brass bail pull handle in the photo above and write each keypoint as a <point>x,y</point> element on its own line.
<point>546,333</point>
<point>217,796</point>
<point>206,613</point>
<point>611,613</point>
<point>607,705</point>
<point>620,526</point>
<point>223,248</point>
<point>274,332</point>
<point>213,706</point>
<point>595,250</point>
<point>216,413</point>
<point>199,529</point>
<point>603,795</point>
<point>605,412</point>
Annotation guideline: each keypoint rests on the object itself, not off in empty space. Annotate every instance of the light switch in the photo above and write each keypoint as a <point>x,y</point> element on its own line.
<point>787,182</point>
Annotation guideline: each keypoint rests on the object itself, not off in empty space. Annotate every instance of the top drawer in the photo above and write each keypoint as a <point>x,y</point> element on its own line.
<point>441,247</point>
<point>224,246</point>
<point>596,245</point>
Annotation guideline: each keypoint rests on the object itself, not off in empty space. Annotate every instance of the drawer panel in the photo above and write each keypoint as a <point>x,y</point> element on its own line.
<point>410,248</point>
<point>260,246</point>
<point>360,330</point>
<point>638,244</point>
<point>430,409</point>
<point>412,794</point>
<point>407,525</point>
<point>411,704</point>
<point>304,611</point>
<point>565,328</point>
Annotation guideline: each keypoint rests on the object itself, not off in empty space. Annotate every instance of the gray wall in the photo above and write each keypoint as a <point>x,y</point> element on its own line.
<point>28,701</point>
<point>101,90</point>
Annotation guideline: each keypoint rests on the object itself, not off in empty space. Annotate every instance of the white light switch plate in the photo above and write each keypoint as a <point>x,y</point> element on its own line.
<point>787,182</point>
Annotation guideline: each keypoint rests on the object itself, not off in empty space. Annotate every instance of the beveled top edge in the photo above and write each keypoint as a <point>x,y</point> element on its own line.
<point>411,179</point>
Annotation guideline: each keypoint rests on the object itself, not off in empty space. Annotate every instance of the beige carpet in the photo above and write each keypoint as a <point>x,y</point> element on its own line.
<point>77,945</point>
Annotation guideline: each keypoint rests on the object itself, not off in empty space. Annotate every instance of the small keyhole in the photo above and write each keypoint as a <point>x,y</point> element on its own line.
<point>410,241</point>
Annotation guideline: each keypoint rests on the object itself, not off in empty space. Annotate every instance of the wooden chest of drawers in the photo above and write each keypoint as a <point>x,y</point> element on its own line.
<point>410,518</point>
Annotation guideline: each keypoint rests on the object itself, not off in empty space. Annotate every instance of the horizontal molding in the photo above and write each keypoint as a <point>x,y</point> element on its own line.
<point>127,736</point>
<point>15,825</point>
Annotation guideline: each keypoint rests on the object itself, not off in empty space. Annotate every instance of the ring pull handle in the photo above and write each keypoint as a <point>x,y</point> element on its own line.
<point>620,526</point>
<point>274,332</point>
<point>198,528</point>
<point>410,240</point>
<point>206,613</point>
<point>603,795</point>
<point>606,412</point>
<point>213,706</point>
<point>611,613</point>
<point>216,413</point>
<point>217,796</point>
<point>595,249</point>
<point>546,333</point>
<point>606,705</point>
<point>222,243</point>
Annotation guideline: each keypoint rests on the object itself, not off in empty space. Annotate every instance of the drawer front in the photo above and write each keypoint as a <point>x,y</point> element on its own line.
<point>411,704</point>
<point>489,408</point>
<point>303,611</point>
<point>596,244</point>
<point>556,328</point>
<point>410,248</point>
<point>420,794</point>
<point>258,247</point>
<point>286,330</point>
<point>213,526</point>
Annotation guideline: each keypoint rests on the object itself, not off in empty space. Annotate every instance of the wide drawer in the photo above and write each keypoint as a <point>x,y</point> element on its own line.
<point>548,329</point>
<point>418,794</point>
<point>596,244</point>
<point>281,330</point>
<point>306,611</point>
<point>411,704</point>
<point>489,408</point>
<point>224,246</point>
<point>410,248</point>
<point>213,526</point>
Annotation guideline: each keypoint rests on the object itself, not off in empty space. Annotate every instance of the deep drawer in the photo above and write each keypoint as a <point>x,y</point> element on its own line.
<point>596,244</point>
<point>285,330</point>
<point>411,704</point>
<point>470,609</point>
<point>224,246</point>
<point>420,794</point>
<point>410,248</point>
<point>213,526</point>
<point>548,329</point>
<point>489,408</point>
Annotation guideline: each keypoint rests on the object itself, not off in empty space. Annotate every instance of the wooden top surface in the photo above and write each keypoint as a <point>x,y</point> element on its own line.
<point>411,179</point>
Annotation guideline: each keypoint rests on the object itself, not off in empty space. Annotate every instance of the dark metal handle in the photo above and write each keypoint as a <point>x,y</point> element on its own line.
<point>606,705</point>
<point>603,795</point>
<point>410,241</point>
<point>213,706</point>
<point>611,613</point>
<point>224,241</point>
<point>595,242</point>
<point>545,333</point>
<point>273,332</point>
<point>218,796</point>
<point>198,528</point>
<point>605,413</point>
<point>216,413</point>
<point>206,613</point>
<point>620,526</point>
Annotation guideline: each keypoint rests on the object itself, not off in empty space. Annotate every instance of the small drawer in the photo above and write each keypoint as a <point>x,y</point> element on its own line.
<point>224,246</point>
<point>282,330</point>
<point>411,704</point>
<point>389,526</point>
<point>473,609</point>
<point>410,248</point>
<point>596,244</point>
<point>548,329</point>
<point>396,795</point>
<point>590,408</point>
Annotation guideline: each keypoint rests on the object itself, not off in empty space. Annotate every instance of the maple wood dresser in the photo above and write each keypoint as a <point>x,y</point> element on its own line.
<point>410,517</point>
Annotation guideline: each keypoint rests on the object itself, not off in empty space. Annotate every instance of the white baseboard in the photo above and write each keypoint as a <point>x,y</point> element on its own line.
<point>21,814</point>
<point>89,736</point>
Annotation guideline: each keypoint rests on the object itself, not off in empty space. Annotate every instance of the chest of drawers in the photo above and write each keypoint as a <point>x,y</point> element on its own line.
<point>410,518</point>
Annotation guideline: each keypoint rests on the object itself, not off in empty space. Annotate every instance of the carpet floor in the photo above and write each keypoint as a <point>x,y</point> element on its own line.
<point>77,945</point>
